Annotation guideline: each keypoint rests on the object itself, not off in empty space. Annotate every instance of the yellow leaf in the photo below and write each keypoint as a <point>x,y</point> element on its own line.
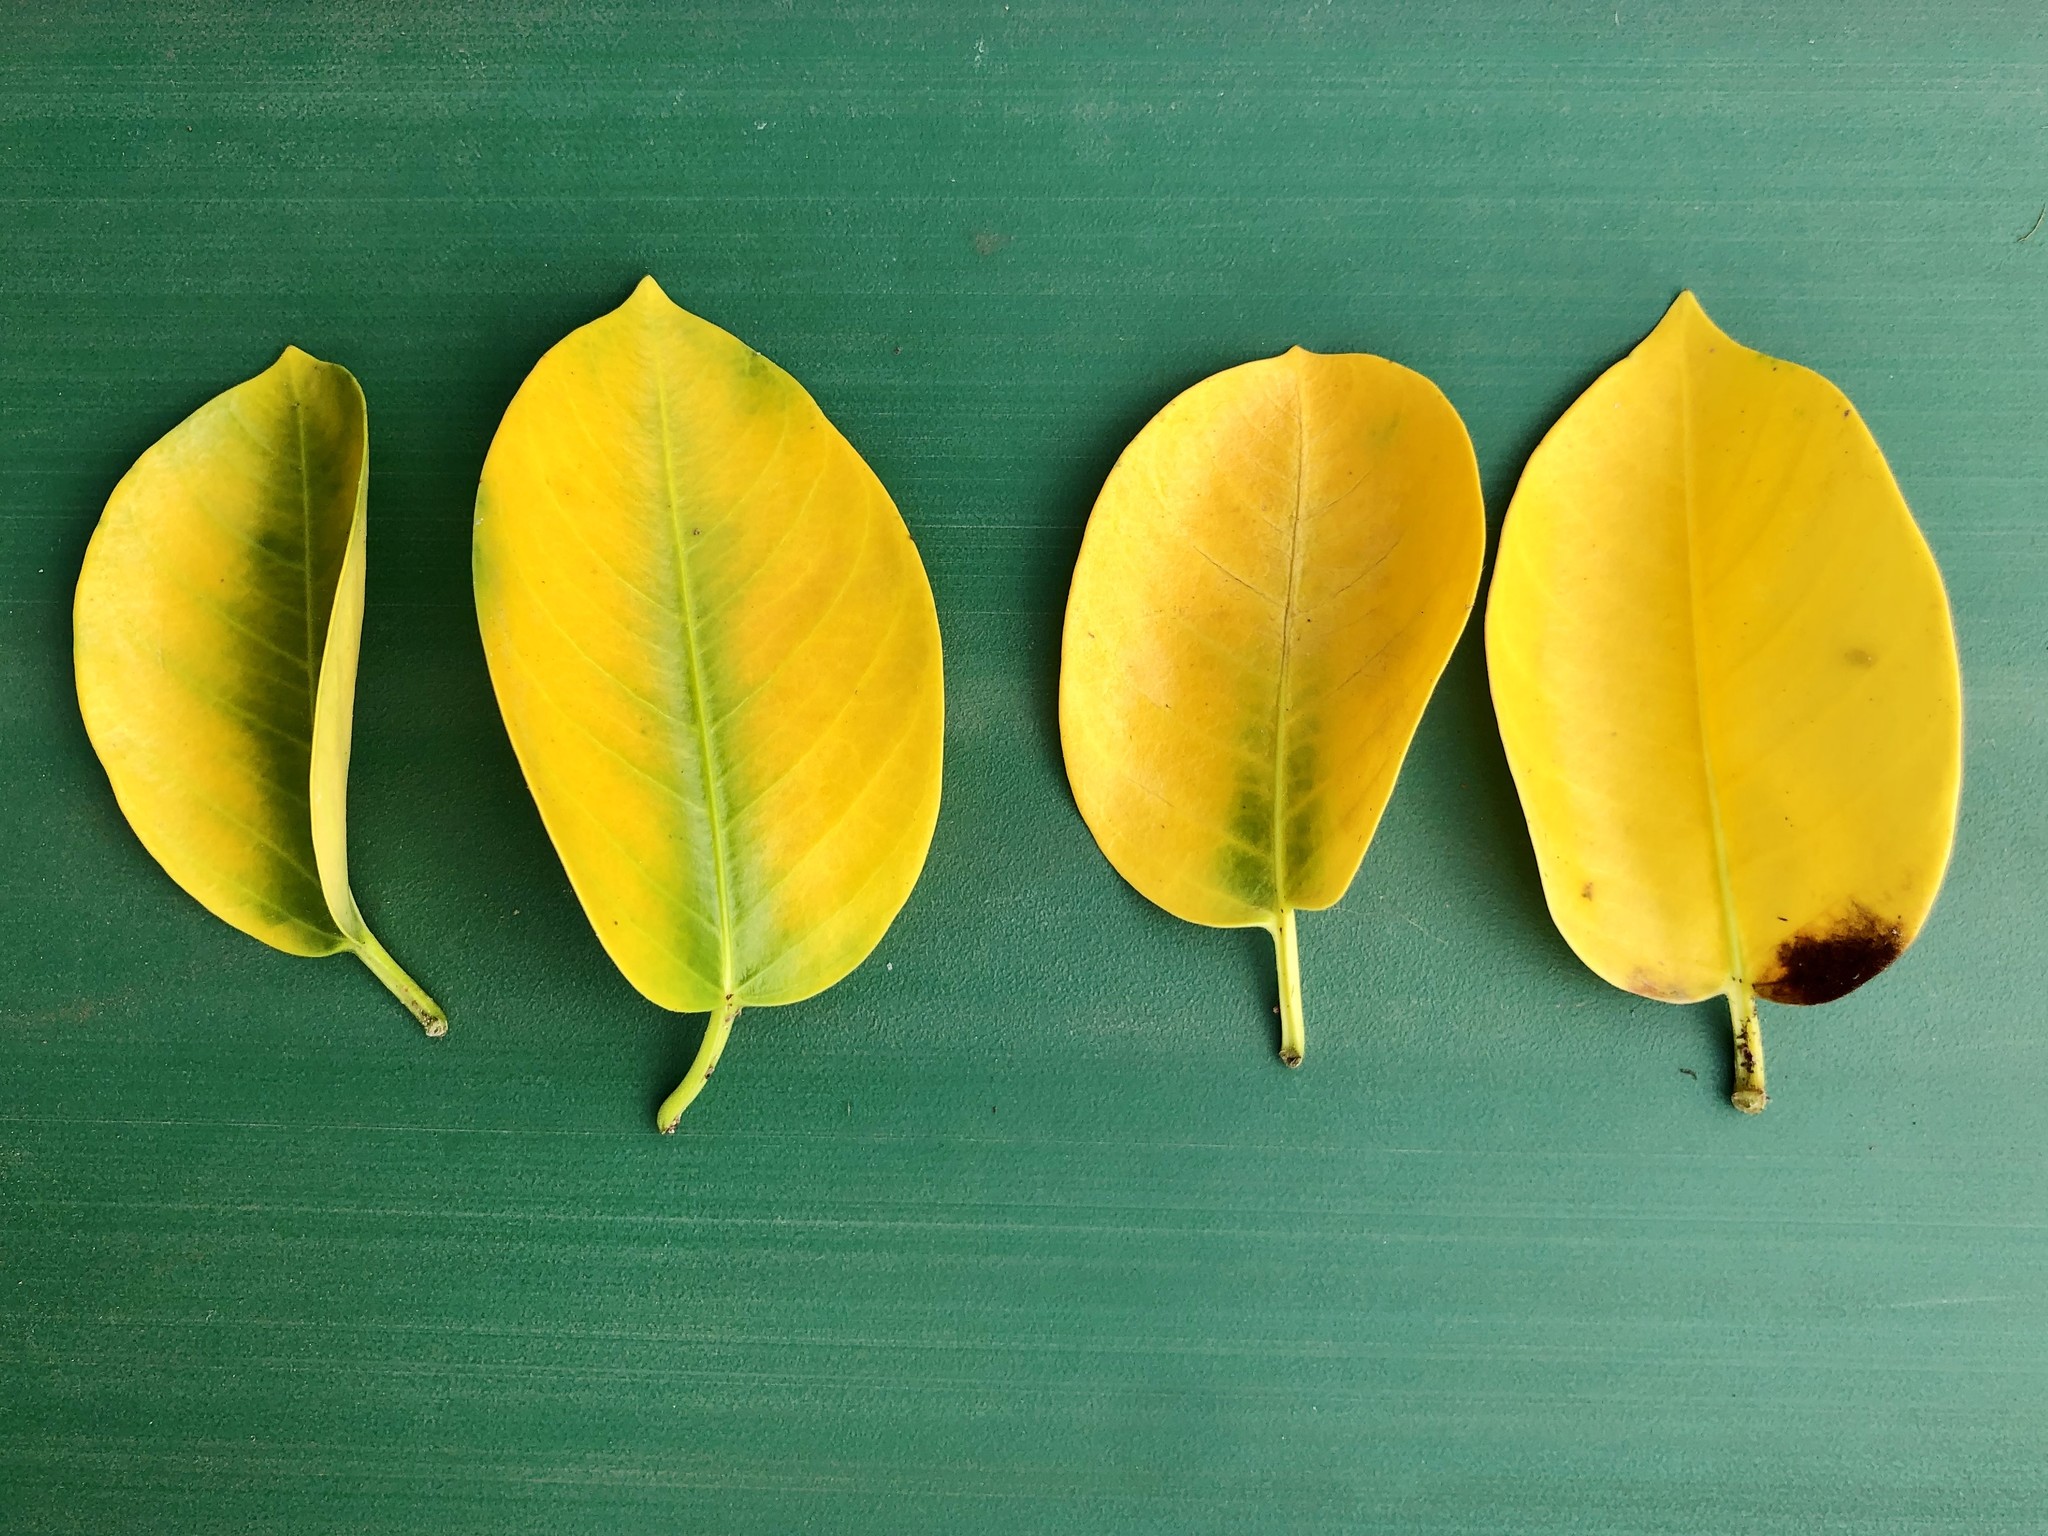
<point>1272,580</point>
<point>1726,679</point>
<point>216,626</point>
<point>716,653</point>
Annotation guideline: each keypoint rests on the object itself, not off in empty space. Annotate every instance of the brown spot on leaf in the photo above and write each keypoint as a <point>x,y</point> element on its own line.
<point>1859,657</point>
<point>1818,967</point>
<point>987,242</point>
<point>1586,891</point>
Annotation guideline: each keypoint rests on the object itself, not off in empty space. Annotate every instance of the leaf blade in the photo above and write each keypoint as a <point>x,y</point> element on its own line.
<point>208,513</point>
<point>215,633</point>
<point>1272,580</point>
<point>716,654</point>
<point>1726,676</point>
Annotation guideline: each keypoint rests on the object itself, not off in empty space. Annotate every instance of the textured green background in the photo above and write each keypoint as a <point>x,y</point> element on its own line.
<point>1022,1228</point>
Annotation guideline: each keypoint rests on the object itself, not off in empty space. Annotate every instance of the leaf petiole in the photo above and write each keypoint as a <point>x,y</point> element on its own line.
<point>715,1035</point>
<point>1288,953</point>
<point>1749,1095</point>
<point>403,987</point>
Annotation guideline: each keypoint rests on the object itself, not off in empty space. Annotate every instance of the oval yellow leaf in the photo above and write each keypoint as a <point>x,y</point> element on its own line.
<point>1726,679</point>
<point>215,632</point>
<point>1272,580</point>
<point>717,656</point>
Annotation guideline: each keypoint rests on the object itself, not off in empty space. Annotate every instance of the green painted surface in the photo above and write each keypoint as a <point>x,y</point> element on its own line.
<point>1022,1228</point>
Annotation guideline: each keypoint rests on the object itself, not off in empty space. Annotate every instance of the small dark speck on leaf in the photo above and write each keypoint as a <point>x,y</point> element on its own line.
<point>1586,891</point>
<point>2031,228</point>
<point>1688,1071</point>
<point>898,351</point>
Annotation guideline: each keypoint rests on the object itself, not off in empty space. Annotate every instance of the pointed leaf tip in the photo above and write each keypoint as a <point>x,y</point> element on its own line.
<point>648,291</point>
<point>295,356</point>
<point>1688,317</point>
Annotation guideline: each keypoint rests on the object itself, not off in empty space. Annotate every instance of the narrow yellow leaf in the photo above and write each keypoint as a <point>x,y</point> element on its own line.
<point>1727,682</point>
<point>717,657</point>
<point>216,625</point>
<point>1272,580</point>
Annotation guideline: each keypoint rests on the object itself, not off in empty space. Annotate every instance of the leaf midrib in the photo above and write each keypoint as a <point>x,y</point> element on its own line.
<point>1732,929</point>
<point>1280,692</point>
<point>700,714</point>
<point>306,553</point>
<point>306,556</point>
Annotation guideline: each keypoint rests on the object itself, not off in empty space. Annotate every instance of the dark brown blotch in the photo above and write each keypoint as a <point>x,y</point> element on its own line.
<point>1818,967</point>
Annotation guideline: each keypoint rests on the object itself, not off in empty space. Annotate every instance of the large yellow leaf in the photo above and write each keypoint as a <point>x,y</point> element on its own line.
<point>216,626</point>
<point>1727,683</point>
<point>717,656</point>
<point>1272,580</point>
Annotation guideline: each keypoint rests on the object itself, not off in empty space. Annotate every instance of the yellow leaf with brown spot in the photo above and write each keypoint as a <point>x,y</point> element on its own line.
<point>1272,580</point>
<point>1726,678</point>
